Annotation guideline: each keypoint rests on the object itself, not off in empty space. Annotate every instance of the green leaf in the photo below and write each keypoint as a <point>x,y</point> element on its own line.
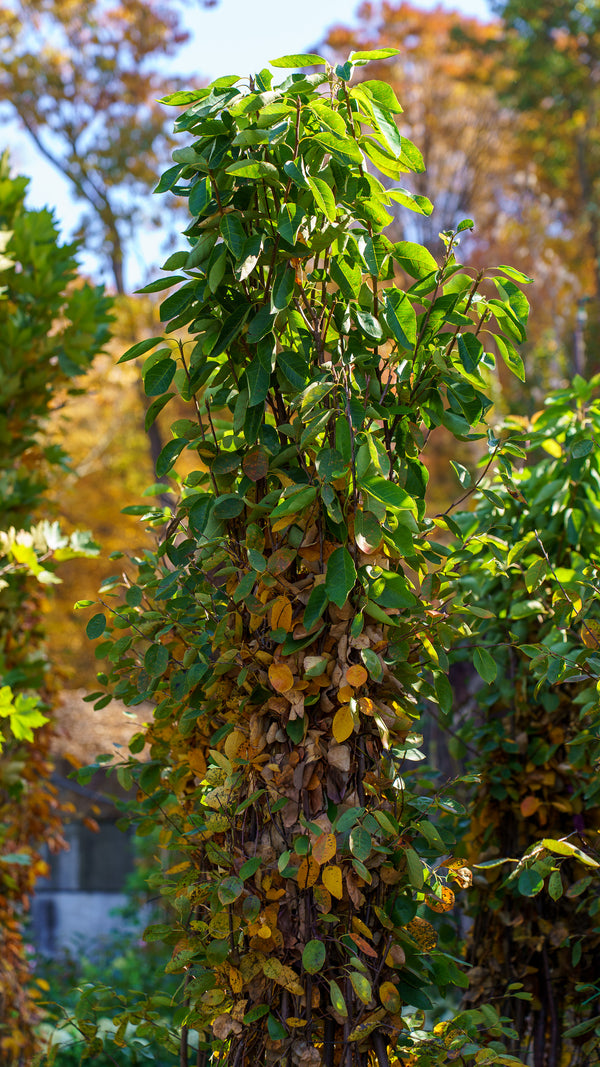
<point>245,168</point>
<point>323,196</point>
<point>415,869</point>
<point>516,275</point>
<point>159,377</point>
<point>581,449</point>
<point>298,500</point>
<point>510,356</point>
<point>388,493</point>
<point>373,54</point>
<point>162,283</point>
<point>401,318</point>
<point>337,999</point>
<point>372,663</point>
<point>313,956</point>
<point>300,59</point>
<point>96,626</point>
<point>156,660</point>
<point>530,882</point>
<point>361,986</point>
<point>470,350</point>
<point>485,664</point>
<point>340,576</point>
<point>317,602</point>
<point>555,886</point>
<point>140,348</point>
<point>228,506</point>
<point>233,234</point>
<point>168,456</point>
<point>249,868</point>
<point>414,259</point>
<point>283,288</point>
<point>230,889</point>
<point>360,843</point>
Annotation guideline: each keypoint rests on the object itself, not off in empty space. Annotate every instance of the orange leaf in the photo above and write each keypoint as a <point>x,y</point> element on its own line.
<point>343,723</point>
<point>356,675</point>
<point>529,805</point>
<point>281,614</point>
<point>308,872</point>
<point>363,945</point>
<point>324,848</point>
<point>443,903</point>
<point>281,677</point>
<point>332,880</point>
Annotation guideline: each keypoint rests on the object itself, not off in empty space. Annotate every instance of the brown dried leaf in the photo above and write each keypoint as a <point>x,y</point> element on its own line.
<point>339,756</point>
<point>224,1025</point>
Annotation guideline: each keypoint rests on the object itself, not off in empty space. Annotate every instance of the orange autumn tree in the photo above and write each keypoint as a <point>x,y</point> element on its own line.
<point>288,629</point>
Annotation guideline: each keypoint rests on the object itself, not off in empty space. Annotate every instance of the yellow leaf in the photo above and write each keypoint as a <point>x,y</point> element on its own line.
<point>233,743</point>
<point>390,997</point>
<point>308,872</point>
<point>423,933</point>
<point>235,980</point>
<point>345,694</point>
<point>281,677</point>
<point>590,633</point>
<point>281,614</point>
<point>356,675</point>
<point>361,928</point>
<point>324,848</point>
<point>332,880</point>
<point>277,971</point>
<point>343,723</point>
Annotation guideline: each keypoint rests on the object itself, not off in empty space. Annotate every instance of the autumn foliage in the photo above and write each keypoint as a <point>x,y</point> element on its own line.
<point>51,329</point>
<point>287,627</point>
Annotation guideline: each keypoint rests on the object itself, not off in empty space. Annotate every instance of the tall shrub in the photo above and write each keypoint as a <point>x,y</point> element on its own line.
<point>291,623</point>
<point>51,329</point>
<point>530,564</point>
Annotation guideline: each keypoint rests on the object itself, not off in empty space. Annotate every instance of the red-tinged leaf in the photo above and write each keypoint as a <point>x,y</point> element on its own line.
<point>281,560</point>
<point>255,464</point>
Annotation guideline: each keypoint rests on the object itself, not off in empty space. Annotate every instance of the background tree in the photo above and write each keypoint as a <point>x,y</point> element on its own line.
<point>52,326</point>
<point>452,79</point>
<point>83,80</point>
<point>547,63</point>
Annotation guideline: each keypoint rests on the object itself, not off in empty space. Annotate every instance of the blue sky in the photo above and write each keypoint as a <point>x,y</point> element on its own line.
<point>237,37</point>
